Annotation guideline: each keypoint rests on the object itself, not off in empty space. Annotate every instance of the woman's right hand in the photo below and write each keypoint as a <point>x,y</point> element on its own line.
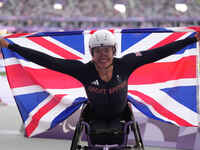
<point>3,43</point>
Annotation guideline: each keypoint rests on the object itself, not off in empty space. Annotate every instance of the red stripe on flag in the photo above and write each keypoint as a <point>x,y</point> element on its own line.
<point>161,72</point>
<point>173,37</point>
<point>160,109</point>
<point>45,109</point>
<point>196,28</point>
<point>17,35</point>
<point>1,56</point>
<point>53,47</point>
<point>52,79</point>
<point>112,30</point>
<point>93,31</point>
<point>18,77</point>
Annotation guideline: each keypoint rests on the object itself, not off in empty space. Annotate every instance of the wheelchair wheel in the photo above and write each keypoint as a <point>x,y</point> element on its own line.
<point>76,137</point>
<point>141,145</point>
<point>138,139</point>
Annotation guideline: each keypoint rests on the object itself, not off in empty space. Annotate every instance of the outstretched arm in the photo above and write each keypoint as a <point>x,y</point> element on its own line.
<point>57,64</point>
<point>167,50</point>
<point>155,54</point>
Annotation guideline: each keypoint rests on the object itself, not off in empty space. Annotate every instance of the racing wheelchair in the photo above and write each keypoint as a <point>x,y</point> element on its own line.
<point>103,135</point>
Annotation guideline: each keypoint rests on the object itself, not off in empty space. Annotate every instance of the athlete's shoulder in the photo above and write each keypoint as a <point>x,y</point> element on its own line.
<point>90,65</point>
<point>116,60</point>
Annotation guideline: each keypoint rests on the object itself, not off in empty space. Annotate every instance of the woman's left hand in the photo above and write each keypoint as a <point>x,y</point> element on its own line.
<point>197,35</point>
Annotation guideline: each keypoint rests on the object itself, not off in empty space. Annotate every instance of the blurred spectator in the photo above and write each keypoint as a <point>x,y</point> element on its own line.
<point>29,15</point>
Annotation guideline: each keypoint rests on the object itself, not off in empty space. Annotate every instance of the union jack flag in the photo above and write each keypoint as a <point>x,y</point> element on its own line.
<point>165,90</point>
<point>0,55</point>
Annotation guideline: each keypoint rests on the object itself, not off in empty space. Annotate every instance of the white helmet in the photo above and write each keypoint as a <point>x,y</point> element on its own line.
<point>102,38</point>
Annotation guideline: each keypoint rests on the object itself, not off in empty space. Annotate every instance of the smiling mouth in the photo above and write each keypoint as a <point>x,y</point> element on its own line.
<point>103,60</point>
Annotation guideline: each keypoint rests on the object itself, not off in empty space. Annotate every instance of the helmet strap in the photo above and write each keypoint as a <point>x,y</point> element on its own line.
<point>109,66</point>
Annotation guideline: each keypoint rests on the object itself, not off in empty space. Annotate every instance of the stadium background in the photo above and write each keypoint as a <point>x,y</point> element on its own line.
<point>19,16</point>
<point>51,15</point>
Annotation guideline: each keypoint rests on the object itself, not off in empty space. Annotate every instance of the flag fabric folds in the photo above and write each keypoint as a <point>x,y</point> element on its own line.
<point>165,90</point>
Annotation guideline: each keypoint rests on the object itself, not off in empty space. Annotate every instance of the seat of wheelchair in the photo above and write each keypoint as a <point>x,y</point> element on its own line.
<point>107,132</point>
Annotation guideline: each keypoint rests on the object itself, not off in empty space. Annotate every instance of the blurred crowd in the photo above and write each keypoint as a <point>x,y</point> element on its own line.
<point>40,15</point>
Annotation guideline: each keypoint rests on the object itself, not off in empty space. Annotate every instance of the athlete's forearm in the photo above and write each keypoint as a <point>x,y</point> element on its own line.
<point>135,60</point>
<point>57,64</point>
<point>167,50</point>
<point>32,55</point>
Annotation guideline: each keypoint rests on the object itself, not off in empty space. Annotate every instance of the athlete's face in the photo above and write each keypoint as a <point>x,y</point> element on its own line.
<point>103,56</point>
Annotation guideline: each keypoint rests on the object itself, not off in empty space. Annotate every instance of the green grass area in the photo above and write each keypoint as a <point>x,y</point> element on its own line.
<point>2,73</point>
